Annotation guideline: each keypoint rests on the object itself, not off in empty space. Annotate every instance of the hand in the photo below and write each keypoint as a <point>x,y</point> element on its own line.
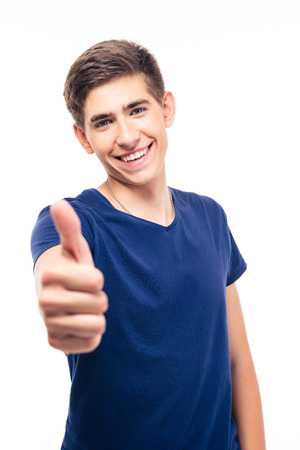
<point>71,299</point>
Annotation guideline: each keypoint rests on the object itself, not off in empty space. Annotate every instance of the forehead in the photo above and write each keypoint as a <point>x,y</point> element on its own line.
<point>114,95</point>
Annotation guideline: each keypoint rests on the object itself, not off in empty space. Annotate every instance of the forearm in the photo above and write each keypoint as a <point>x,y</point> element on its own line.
<point>247,407</point>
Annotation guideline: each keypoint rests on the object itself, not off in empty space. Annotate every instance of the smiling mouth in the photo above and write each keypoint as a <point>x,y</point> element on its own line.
<point>135,155</point>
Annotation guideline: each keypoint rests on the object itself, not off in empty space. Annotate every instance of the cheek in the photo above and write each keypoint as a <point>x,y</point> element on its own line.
<point>161,135</point>
<point>101,146</point>
<point>155,127</point>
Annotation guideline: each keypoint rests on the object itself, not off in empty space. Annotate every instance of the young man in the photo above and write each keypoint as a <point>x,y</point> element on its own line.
<point>173,369</point>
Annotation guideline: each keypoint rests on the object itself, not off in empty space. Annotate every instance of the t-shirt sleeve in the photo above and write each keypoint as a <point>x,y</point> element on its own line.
<point>236,264</point>
<point>45,236</point>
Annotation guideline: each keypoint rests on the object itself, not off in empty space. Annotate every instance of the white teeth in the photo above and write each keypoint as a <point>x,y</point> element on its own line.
<point>135,155</point>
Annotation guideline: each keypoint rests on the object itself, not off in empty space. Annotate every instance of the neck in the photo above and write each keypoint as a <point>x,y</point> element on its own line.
<point>151,202</point>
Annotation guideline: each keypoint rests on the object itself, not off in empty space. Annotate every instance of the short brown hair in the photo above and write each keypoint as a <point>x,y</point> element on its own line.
<point>102,63</point>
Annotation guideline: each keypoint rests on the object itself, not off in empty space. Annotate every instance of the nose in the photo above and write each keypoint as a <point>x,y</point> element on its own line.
<point>128,136</point>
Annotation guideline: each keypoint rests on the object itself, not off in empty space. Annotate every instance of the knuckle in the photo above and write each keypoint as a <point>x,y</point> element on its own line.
<point>46,276</point>
<point>50,275</point>
<point>102,300</point>
<point>50,325</point>
<point>99,326</point>
<point>91,344</point>
<point>102,325</point>
<point>47,300</point>
<point>74,345</point>
<point>54,342</point>
<point>97,280</point>
<point>57,273</point>
<point>47,322</point>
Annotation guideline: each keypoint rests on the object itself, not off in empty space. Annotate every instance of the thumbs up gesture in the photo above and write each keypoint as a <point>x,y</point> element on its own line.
<point>71,299</point>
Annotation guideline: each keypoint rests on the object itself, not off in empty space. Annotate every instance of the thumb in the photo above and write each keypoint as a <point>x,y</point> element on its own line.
<point>68,226</point>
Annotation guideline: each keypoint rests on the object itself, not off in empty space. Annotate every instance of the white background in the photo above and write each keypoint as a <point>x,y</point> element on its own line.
<point>234,69</point>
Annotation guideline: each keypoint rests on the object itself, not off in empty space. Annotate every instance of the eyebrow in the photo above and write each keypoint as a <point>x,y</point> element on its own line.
<point>132,105</point>
<point>135,104</point>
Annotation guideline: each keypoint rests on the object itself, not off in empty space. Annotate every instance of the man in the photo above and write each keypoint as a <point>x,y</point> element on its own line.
<point>167,365</point>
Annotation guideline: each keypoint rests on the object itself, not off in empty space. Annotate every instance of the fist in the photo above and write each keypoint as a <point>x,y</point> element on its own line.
<point>70,289</point>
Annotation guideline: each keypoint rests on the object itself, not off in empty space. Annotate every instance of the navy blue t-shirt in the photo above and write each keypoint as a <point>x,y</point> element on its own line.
<point>160,379</point>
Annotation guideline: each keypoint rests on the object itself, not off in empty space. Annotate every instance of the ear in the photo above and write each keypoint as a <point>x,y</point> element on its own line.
<point>83,139</point>
<point>169,107</point>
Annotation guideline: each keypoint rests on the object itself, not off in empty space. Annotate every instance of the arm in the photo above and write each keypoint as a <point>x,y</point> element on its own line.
<point>246,402</point>
<point>69,288</point>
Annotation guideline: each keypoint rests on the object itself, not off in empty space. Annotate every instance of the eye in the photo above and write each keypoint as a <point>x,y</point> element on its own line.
<point>102,123</point>
<point>138,111</point>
